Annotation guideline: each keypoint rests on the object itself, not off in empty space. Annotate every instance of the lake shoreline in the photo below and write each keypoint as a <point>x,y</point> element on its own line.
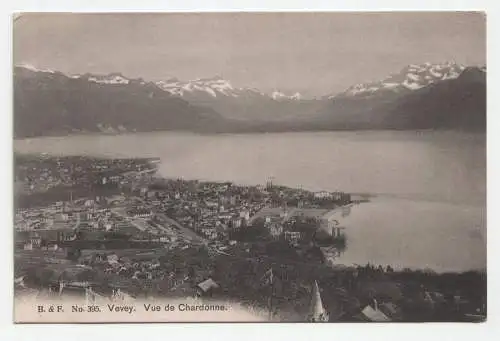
<point>437,180</point>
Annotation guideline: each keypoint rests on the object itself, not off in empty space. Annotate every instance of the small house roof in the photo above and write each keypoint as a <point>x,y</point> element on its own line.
<point>374,315</point>
<point>390,309</point>
<point>207,285</point>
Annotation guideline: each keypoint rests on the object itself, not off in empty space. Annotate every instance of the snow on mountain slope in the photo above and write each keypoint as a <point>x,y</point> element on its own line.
<point>412,77</point>
<point>112,78</point>
<point>212,86</point>
<point>34,68</point>
<point>217,87</point>
<point>278,95</point>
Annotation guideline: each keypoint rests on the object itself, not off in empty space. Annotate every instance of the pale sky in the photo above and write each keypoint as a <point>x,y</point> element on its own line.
<point>315,53</point>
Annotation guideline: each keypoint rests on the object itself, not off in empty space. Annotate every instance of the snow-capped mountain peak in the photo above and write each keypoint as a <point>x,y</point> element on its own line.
<point>112,78</point>
<point>216,86</point>
<point>34,68</point>
<point>278,95</point>
<point>412,77</point>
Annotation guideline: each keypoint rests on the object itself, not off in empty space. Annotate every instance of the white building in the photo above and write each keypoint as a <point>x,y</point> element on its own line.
<point>209,232</point>
<point>322,195</point>
<point>275,229</point>
<point>236,223</point>
<point>293,236</point>
<point>141,213</point>
<point>245,214</point>
<point>330,222</point>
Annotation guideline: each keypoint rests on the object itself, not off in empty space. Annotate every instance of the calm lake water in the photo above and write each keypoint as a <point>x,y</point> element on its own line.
<point>431,186</point>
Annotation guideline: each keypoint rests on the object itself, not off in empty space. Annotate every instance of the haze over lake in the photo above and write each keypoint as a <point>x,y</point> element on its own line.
<point>431,207</point>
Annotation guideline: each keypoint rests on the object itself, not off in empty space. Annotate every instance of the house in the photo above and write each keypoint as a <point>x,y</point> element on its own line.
<point>293,237</point>
<point>114,179</point>
<point>233,200</point>
<point>209,232</point>
<point>112,258</point>
<point>206,288</point>
<point>225,216</point>
<point>235,223</point>
<point>19,282</point>
<point>433,298</point>
<point>141,213</point>
<point>22,226</point>
<point>212,204</point>
<point>322,195</point>
<point>120,296</point>
<point>245,214</point>
<point>391,310</point>
<point>274,226</point>
<point>373,314</point>
<point>35,241</point>
<point>275,229</point>
<point>329,222</point>
<point>337,196</point>
<point>53,247</point>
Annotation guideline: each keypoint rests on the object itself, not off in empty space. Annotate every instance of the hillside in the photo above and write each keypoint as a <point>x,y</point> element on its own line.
<point>51,103</point>
<point>450,103</point>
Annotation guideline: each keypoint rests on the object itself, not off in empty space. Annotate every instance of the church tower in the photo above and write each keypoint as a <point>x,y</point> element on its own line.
<point>317,312</point>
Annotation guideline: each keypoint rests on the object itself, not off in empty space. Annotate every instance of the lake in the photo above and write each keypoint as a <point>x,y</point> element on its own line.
<point>431,186</point>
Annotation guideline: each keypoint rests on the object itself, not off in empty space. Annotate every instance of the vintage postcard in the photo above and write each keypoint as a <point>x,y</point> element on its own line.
<point>249,167</point>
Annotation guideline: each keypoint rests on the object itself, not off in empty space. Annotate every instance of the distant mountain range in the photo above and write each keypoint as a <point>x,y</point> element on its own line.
<point>237,103</point>
<point>51,103</point>
<point>426,96</point>
<point>412,77</point>
<point>420,97</point>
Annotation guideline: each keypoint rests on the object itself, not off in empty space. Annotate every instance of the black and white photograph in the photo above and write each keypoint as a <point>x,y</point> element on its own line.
<point>312,167</point>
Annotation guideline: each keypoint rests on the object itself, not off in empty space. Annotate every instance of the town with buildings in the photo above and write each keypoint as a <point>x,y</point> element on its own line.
<point>112,228</point>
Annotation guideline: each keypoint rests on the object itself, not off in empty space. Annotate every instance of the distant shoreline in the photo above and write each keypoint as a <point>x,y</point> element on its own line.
<point>249,132</point>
